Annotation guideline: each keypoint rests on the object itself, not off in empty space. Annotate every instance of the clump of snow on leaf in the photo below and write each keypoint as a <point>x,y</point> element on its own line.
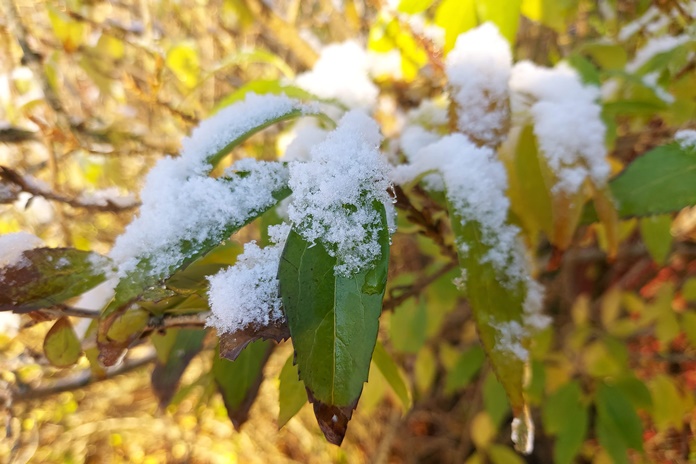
<point>12,246</point>
<point>334,193</point>
<point>654,47</point>
<point>686,138</point>
<point>478,70</point>
<point>342,73</point>
<point>476,182</point>
<point>567,122</point>
<point>180,203</point>
<point>246,294</point>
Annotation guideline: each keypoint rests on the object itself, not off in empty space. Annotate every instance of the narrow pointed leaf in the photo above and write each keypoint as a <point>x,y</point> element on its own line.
<point>386,365</point>
<point>45,277</point>
<point>238,381</point>
<point>166,376</point>
<point>291,393</point>
<point>61,345</point>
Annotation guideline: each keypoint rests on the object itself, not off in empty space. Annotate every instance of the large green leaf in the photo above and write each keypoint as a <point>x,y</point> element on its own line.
<point>618,424</point>
<point>464,369</point>
<point>333,322</point>
<point>660,181</point>
<point>45,277</point>
<point>166,375</point>
<point>566,417</point>
<point>238,381</point>
<point>494,304</point>
<point>503,13</point>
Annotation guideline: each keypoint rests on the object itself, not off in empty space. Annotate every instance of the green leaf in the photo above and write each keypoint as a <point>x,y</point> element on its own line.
<point>165,376</point>
<point>494,303</point>
<point>291,392</point>
<point>566,417</point>
<point>660,181</point>
<point>494,399</point>
<point>689,324</point>
<point>45,277</point>
<point>657,236</point>
<point>333,324</point>
<point>668,406</point>
<point>61,345</point>
<point>425,370</point>
<point>386,365</point>
<point>464,370</point>
<point>414,6</point>
<point>455,17</point>
<point>606,54</point>
<point>618,425</point>
<point>239,381</point>
<point>503,13</point>
<point>500,454</point>
<point>408,326</point>
<point>263,87</point>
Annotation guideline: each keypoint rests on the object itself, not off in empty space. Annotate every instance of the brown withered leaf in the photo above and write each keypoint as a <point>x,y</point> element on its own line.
<point>332,420</point>
<point>232,344</point>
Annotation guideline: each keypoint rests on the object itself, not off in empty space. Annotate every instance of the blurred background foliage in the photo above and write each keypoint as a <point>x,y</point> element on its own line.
<point>93,92</point>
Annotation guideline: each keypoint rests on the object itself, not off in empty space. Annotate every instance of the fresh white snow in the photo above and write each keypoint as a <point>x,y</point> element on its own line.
<point>12,246</point>
<point>478,71</point>
<point>333,193</point>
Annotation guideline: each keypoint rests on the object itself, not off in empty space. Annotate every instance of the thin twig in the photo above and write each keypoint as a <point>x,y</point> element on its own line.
<point>105,204</point>
<point>82,379</point>
<point>413,290</point>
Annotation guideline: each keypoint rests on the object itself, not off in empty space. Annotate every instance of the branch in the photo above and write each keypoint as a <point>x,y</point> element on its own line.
<point>410,291</point>
<point>282,33</point>
<point>423,218</point>
<point>81,380</point>
<point>29,185</point>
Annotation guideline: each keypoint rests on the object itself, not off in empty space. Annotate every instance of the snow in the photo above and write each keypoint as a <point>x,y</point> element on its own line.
<point>12,246</point>
<point>686,138</point>
<point>181,203</point>
<point>630,29</point>
<point>109,195</point>
<point>304,135</point>
<point>654,47</point>
<point>341,72</point>
<point>413,139</point>
<point>478,71</point>
<point>246,294</point>
<point>333,193</point>
<point>567,122</point>
<point>196,210</point>
<point>9,324</point>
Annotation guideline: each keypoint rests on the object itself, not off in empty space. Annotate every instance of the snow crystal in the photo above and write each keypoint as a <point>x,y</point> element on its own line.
<point>478,70</point>
<point>13,245</point>
<point>654,47</point>
<point>686,138</point>
<point>333,193</point>
<point>567,122</point>
<point>412,140</point>
<point>341,72</point>
<point>181,203</point>
<point>247,293</point>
